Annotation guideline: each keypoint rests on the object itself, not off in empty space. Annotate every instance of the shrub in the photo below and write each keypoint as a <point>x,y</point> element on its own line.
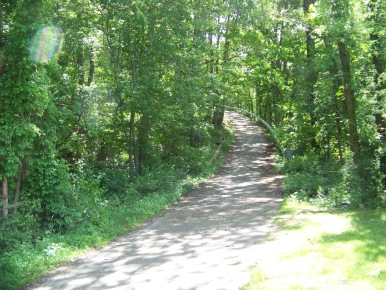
<point>362,182</point>
<point>330,183</point>
<point>115,181</point>
<point>20,227</point>
<point>159,180</point>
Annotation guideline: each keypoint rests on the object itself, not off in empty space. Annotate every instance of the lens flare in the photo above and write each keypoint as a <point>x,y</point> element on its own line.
<point>46,44</point>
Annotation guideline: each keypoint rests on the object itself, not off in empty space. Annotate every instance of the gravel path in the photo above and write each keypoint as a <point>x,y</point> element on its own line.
<point>206,241</point>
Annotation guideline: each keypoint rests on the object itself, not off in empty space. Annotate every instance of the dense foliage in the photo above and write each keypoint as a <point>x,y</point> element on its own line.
<point>102,103</point>
<point>315,70</point>
<point>99,98</point>
<point>119,88</point>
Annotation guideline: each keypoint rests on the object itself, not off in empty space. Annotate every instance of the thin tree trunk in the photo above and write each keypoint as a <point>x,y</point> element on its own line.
<point>4,189</point>
<point>91,72</point>
<point>136,158</point>
<point>18,186</point>
<point>132,144</point>
<point>339,130</point>
<point>114,135</point>
<point>337,83</point>
<point>264,104</point>
<point>1,23</point>
<point>218,116</point>
<point>276,119</point>
<point>258,100</point>
<point>312,75</point>
<point>143,138</point>
<point>338,122</point>
<point>349,97</point>
<point>80,64</point>
<point>1,38</point>
<point>250,102</point>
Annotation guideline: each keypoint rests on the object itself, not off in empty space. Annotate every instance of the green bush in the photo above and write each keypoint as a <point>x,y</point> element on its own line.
<point>309,175</point>
<point>49,187</point>
<point>305,184</point>
<point>20,227</point>
<point>10,279</point>
<point>115,181</point>
<point>160,180</point>
<point>362,183</point>
<point>329,183</point>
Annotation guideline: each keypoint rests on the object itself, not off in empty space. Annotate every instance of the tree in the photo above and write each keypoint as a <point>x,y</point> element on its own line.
<point>31,119</point>
<point>376,23</point>
<point>24,100</point>
<point>341,12</point>
<point>311,71</point>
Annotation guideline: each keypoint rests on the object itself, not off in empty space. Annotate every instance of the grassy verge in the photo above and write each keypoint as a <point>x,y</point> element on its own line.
<point>110,218</point>
<point>318,248</point>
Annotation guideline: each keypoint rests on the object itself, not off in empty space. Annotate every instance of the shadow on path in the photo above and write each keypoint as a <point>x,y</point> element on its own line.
<point>206,241</point>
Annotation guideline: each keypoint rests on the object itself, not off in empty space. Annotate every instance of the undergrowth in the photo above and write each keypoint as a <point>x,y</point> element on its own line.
<point>329,183</point>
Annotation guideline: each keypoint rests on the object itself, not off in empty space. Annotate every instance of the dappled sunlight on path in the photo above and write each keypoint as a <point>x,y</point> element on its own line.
<point>206,241</point>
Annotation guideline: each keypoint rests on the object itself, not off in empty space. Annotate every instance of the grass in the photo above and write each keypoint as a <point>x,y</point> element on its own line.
<point>318,248</point>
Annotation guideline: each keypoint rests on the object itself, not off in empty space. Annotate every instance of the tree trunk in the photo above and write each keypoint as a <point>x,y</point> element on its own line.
<point>91,72</point>
<point>265,108</point>
<point>349,97</point>
<point>143,138</point>
<point>1,38</point>
<point>226,41</point>
<point>337,83</point>
<point>339,132</point>
<point>312,74</point>
<point>80,65</point>
<point>4,189</point>
<point>18,187</point>
<point>258,100</point>
<point>1,23</point>
<point>132,144</point>
<point>218,117</point>
<point>136,158</point>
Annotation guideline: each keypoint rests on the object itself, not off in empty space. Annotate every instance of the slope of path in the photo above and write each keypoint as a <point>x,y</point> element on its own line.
<point>206,241</point>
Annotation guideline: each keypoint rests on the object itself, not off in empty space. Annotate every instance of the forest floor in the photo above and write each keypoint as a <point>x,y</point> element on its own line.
<point>208,240</point>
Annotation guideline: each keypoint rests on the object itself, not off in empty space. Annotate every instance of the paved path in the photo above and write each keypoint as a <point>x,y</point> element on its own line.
<point>207,241</point>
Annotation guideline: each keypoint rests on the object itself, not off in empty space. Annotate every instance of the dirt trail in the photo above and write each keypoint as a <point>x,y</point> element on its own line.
<point>207,241</point>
